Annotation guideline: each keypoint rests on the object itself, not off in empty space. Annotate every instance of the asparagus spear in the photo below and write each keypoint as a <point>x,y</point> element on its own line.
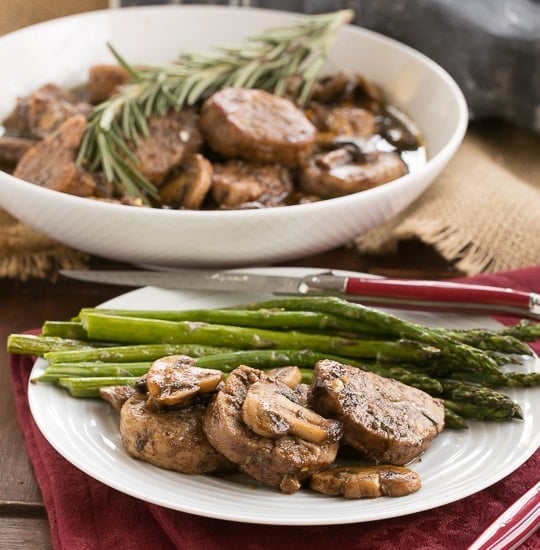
<point>130,353</point>
<point>453,352</point>
<point>64,329</point>
<point>137,330</point>
<point>486,339</point>
<point>226,362</point>
<point>53,373</point>
<point>275,318</point>
<point>499,380</point>
<point>30,344</point>
<point>453,421</point>
<point>89,387</point>
<point>474,401</point>
<point>525,330</point>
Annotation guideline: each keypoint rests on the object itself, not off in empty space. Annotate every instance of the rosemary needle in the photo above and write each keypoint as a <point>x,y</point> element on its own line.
<point>269,61</point>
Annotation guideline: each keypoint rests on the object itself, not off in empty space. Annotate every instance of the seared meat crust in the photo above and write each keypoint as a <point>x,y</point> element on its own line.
<point>43,111</point>
<point>237,183</point>
<point>170,138</point>
<point>170,439</point>
<point>283,461</point>
<point>386,420</point>
<point>51,163</point>
<point>104,81</point>
<point>256,125</point>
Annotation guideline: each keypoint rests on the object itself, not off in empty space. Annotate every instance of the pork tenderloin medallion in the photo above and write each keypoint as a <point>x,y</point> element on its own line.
<point>162,422</point>
<point>241,184</point>
<point>258,423</point>
<point>257,126</point>
<point>171,439</point>
<point>170,139</point>
<point>386,420</point>
<point>52,162</point>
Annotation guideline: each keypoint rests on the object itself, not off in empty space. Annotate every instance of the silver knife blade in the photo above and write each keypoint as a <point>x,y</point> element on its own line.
<point>201,280</point>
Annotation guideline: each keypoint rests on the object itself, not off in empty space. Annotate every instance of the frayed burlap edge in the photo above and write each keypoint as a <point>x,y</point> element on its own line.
<point>451,243</point>
<point>483,212</point>
<point>26,253</point>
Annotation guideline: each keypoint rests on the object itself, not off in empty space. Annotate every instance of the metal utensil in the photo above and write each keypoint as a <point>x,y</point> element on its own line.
<point>395,293</point>
<point>514,525</point>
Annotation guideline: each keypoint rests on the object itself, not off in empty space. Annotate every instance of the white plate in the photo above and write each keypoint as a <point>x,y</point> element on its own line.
<point>458,463</point>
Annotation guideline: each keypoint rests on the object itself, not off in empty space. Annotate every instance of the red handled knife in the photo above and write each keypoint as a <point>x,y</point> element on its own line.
<point>514,525</point>
<point>423,295</point>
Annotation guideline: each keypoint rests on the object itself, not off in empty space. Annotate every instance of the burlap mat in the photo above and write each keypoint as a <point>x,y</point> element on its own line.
<point>482,214</point>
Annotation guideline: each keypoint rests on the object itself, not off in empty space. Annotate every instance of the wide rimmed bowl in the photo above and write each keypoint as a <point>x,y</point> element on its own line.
<point>62,50</point>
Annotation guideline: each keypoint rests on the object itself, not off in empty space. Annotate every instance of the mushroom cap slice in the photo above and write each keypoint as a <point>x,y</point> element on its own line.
<point>366,481</point>
<point>175,380</point>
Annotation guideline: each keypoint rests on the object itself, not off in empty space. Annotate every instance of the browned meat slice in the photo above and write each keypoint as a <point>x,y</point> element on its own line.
<point>162,422</point>
<point>104,81</point>
<point>239,184</point>
<point>44,111</point>
<point>171,138</point>
<point>366,481</point>
<point>257,126</point>
<point>387,421</point>
<point>170,439</point>
<point>12,149</point>
<point>51,163</point>
<point>189,186</point>
<point>257,422</point>
<point>337,173</point>
<point>116,396</point>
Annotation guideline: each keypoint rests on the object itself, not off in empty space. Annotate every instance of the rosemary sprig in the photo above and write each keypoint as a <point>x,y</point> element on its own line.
<point>269,61</point>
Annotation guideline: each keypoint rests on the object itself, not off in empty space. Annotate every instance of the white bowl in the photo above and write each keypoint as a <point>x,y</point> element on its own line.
<point>60,51</point>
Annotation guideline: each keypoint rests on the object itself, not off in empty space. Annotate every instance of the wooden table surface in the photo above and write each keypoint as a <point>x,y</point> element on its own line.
<point>25,305</point>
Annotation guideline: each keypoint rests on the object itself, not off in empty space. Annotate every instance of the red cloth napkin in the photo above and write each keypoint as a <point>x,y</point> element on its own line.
<point>84,514</point>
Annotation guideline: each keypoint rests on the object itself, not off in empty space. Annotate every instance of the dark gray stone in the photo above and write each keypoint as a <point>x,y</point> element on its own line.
<point>490,47</point>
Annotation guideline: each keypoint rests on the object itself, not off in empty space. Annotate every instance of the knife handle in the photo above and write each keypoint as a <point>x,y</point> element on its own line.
<point>443,295</point>
<point>514,525</point>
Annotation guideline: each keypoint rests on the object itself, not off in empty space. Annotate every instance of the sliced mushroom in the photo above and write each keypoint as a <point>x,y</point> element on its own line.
<point>331,176</point>
<point>174,380</point>
<point>291,376</point>
<point>271,414</point>
<point>366,481</point>
<point>189,187</point>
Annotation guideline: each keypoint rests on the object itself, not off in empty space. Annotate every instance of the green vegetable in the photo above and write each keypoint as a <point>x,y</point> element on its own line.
<point>152,331</point>
<point>29,344</point>
<point>452,352</point>
<point>89,387</point>
<point>475,401</point>
<point>122,354</point>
